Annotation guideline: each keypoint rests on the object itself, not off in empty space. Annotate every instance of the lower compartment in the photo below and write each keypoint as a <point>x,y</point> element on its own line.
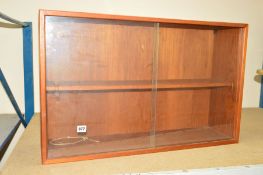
<point>132,120</point>
<point>136,141</point>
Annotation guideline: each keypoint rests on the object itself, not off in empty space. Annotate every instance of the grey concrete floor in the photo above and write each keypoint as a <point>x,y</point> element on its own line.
<point>7,124</point>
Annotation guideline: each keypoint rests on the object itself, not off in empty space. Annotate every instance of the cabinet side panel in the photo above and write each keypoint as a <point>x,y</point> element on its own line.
<point>226,67</point>
<point>42,61</point>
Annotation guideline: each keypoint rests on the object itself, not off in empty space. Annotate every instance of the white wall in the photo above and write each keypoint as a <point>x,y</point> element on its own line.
<point>246,11</point>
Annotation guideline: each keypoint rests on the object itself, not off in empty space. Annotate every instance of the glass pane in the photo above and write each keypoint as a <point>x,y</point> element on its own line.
<point>194,100</point>
<point>188,116</point>
<point>99,85</point>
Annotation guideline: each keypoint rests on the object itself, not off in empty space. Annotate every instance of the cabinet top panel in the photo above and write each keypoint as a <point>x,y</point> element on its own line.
<point>187,23</point>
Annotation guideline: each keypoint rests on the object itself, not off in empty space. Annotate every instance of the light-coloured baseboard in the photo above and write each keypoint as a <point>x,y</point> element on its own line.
<point>234,170</point>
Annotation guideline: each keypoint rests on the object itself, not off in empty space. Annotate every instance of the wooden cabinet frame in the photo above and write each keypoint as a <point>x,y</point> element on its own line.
<point>229,43</point>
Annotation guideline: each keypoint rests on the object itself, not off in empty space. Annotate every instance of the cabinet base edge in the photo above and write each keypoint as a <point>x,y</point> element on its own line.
<point>137,151</point>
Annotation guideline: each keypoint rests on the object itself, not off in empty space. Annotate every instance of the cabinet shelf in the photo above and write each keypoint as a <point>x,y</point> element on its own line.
<point>137,85</point>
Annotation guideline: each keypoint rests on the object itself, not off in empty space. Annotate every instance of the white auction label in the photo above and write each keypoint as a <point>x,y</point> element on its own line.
<point>81,128</point>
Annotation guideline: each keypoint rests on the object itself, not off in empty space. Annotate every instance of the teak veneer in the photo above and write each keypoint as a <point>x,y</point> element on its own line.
<point>139,84</point>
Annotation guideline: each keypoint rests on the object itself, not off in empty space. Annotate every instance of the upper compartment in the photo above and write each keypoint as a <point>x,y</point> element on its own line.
<point>189,52</point>
<point>108,52</point>
<point>80,50</point>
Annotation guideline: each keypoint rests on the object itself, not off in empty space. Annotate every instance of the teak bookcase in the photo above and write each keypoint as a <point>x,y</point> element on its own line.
<point>138,85</point>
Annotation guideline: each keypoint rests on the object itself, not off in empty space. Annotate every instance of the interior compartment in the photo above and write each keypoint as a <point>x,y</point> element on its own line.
<point>94,80</point>
<point>138,85</point>
<point>204,57</point>
<point>80,50</point>
<point>190,116</point>
<point>111,118</point>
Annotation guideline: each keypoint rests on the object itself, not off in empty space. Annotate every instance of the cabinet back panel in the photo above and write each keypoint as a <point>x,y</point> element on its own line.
<point>228,45</point>
<point>185,53</point>
<point>182,109</point>
<point>93,50</point>
<point>110,113</point>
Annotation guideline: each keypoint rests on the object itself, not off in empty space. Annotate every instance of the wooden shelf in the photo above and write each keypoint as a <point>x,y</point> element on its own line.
<point>136,85</point>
